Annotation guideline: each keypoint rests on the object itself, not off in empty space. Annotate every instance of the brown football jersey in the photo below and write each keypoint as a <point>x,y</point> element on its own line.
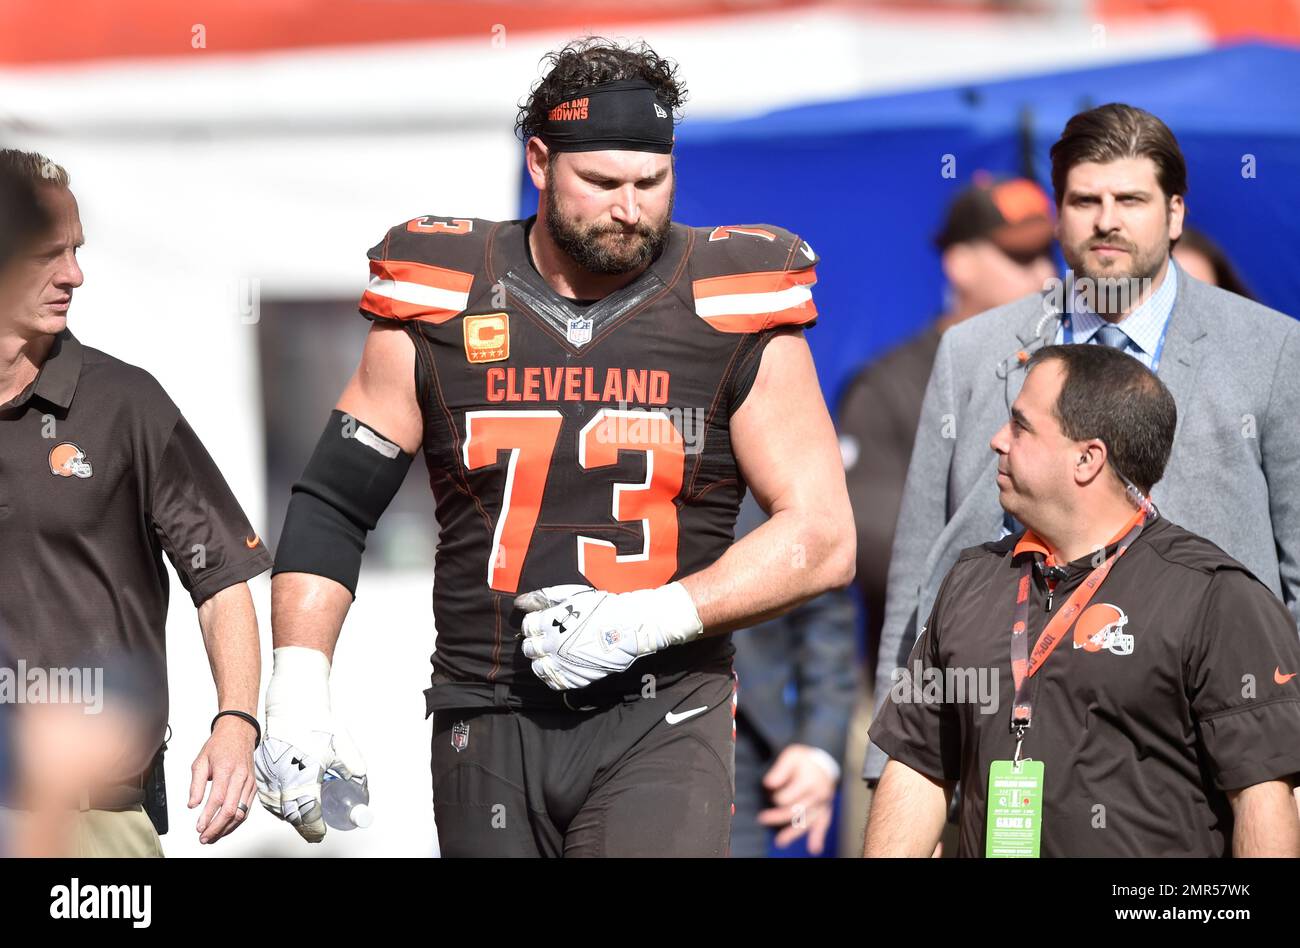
<point>572,443</point>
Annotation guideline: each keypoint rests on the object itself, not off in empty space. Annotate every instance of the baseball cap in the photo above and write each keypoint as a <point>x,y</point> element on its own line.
<point>1014,213</point>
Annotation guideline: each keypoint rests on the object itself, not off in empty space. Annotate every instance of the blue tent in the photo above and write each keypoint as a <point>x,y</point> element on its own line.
<point>862,180</point>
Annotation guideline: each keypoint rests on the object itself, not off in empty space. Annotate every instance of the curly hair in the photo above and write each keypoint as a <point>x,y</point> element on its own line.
<point>591,60</point>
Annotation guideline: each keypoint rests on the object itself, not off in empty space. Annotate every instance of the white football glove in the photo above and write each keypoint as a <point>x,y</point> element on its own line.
<point>301,741</point>
<point>577,635</point>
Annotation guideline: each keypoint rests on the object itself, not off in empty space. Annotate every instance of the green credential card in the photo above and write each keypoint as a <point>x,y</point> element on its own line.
<point>1015,804</point>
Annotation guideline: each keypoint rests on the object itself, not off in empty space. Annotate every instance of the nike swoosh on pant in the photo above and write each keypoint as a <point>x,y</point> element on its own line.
<point>678,718</point>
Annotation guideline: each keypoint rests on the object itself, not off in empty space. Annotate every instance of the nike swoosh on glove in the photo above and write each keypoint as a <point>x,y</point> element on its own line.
<point>302,741</point>
<point>577,635</point>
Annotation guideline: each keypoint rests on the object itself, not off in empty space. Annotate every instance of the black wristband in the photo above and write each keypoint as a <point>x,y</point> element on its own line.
<point>244,716</point>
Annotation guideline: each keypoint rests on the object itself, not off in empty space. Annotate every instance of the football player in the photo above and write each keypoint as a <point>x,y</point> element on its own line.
<point>593,389</point>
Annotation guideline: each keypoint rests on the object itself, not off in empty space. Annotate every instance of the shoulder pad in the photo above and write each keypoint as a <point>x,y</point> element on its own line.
<point>423,268</point>
<point>751,277</point>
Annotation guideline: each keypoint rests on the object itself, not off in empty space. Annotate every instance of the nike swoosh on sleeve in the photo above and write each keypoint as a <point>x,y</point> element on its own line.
<point>672,718</point>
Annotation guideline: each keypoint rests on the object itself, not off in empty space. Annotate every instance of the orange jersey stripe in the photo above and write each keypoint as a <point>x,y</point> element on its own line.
<point>754,322</point>
<point>770,281</point>
<point>408,271</point>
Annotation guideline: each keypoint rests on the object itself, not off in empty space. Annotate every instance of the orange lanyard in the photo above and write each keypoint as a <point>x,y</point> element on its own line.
<point>1024,664</point>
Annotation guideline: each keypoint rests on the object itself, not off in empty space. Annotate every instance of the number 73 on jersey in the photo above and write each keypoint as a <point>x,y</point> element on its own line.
<point>527,439</point>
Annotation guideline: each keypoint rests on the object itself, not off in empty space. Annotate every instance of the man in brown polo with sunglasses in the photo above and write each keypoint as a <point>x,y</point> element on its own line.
<point>1146,694</point>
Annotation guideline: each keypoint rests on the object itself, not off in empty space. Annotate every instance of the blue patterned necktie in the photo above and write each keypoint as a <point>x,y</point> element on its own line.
<point>1111,335</point>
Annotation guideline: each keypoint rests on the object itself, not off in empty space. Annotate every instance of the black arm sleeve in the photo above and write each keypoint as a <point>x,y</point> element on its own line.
<point>349,482</point>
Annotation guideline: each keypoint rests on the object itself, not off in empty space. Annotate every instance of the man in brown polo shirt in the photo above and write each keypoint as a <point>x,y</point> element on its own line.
<point>1104,683</point>
<point>99,476</point>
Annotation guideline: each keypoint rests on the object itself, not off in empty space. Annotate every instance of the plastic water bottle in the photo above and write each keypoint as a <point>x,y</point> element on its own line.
<point>346,803</point>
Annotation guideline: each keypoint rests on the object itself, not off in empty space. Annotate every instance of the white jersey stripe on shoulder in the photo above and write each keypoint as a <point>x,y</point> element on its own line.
<point>417,294</point>
<point>744,304</point>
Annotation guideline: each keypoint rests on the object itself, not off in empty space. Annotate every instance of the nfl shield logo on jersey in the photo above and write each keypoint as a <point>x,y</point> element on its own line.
<point>460,736</point>
<point>580,331</point>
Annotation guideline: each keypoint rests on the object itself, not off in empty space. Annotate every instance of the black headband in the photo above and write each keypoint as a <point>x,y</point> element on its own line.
<point>622,115</point>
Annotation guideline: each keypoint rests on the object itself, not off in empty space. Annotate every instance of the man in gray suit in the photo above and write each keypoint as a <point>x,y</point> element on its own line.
<point>1233,367</point>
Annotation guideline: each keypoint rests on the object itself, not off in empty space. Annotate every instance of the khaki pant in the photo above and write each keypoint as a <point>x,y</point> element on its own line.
<point>85,834</point>
<point>855,798</point>
<point>122,834</point>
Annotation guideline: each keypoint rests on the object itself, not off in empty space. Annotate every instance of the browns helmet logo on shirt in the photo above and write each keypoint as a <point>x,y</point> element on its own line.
<point>68,460</point>
<point>1102,627</point>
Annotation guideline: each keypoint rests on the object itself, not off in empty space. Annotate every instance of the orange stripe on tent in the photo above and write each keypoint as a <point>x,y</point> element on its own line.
<point>37,31</point>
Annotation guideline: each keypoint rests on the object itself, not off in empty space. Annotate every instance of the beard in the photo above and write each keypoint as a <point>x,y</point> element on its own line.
<point>609,249</point>
<point>1118,282</point>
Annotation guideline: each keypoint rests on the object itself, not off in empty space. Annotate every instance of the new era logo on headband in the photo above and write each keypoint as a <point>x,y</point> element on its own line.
<point>659,111</point>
